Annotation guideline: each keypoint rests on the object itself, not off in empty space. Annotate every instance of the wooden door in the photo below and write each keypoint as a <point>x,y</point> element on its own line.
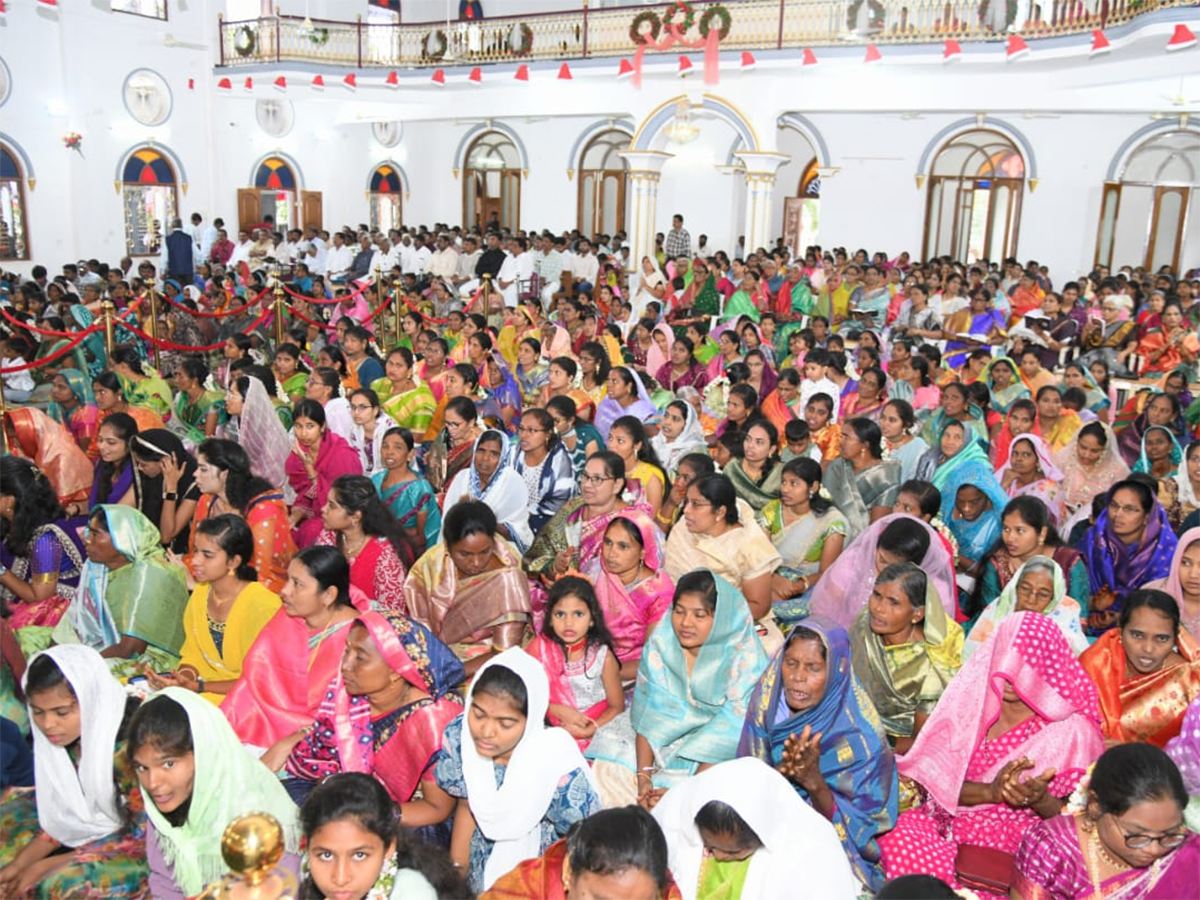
<point>1167,220</point>
<point>311,208</point>
<point>249,207</point>
<point>793,209</point>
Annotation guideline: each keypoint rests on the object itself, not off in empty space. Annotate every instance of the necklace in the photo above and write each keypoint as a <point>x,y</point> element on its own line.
<point>351,554</point>
<point>320,640</point>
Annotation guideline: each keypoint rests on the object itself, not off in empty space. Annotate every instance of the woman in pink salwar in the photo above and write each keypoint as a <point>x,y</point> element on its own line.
<point>1009,740</point>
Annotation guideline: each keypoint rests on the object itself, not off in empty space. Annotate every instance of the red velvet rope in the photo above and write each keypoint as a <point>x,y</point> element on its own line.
<point>214,315</point>
<point>44,331</point>
<point>45,361</point>
<point>341,299</point>
<point>188,348</point>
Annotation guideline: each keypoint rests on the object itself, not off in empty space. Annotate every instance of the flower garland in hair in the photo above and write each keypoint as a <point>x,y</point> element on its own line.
<point>1078,800</point>
<point>258,356</point>
<point>209,383</point>
<point>281,394</point>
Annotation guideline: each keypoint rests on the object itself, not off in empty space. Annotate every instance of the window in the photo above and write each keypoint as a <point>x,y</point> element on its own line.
<point>276,184</point>
<point>151,9</point>
<point>801,214</point>
<point>383,35</point>
<point>14,241</point>
<point>602,184</point>
<point>243,10</point>
<point>1144,215</point>
<point>384,198</point>
<point>974,203</point>
<point>149,199</point>
<point>492,182</point>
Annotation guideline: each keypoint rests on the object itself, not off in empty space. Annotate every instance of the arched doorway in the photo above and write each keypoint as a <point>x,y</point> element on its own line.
<point>14,227</point>
<point>602,182</point>
<point>149,200</point>
<point>273,195</point>
<point>1144,214</point>
<point>383,197</point>
<point>802,213</point>
<point>973,210</point>
<point>492,182</point>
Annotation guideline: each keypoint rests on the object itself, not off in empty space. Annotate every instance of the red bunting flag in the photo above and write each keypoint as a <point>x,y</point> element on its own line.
<point>810,58</point>
<point>350,82</point>
<point>685,66</point>
<point>248,85</point>
<point>393,79</point>
<point>625,70</point>
<point>564,72</point>
<point>476,76</point>
<point>872,55</point>
<point>1100,43</point>
<point>224,85</point>
<point>281,83</point>
<point>439,77</point>
<point>952,51</point>
<point>1181,39</point>
<point>318,83</point>
<point>748,61</point>
<point>522,73</point>
<point>1017,47</point>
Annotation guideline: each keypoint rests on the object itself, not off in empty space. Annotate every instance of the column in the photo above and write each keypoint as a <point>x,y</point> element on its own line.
<point>760,182</point>
<point>641,204</point>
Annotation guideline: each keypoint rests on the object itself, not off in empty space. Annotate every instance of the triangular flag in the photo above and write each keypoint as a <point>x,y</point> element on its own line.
<point>1100,43</point>
<point>350,82</point>
<point>1016,47</point>
<point>952,51</point>
<point>476,76</point>
<point>191,81</point>
<point>625,70</point>
<point>439,77</point>
<point>748,61</point>
<point>318,83</point>
<point>224,85</point>
<point>248,84</point>
<point>281,83</point>
<point>564,73</point>
<point>1182,38</point>
<point>685,66</point>
<point>872,55</point>
<point>393,79</point>
<point>53,4</point>
<point>810,58</point>
<point>522,73</point>
<point>3,7</point>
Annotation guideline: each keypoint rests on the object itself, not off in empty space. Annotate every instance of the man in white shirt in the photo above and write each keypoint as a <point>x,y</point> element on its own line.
<point>406,253</point>
<point>548,264</point>
<point>421,255</point>
<point>443,262</point>
<point>316,251</point>
<point>515,272</point>
<point>467,259</point>
<point>338,259</point>
<point>585,268</point>
<point>205,236</point>
<point>241,250</point>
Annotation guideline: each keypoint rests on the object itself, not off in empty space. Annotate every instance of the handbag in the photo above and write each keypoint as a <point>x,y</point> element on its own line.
<point>984,869</point>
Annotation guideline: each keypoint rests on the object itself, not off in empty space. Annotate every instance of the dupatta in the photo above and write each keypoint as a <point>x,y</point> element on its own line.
<point>697,718</point>
<point>974,537</point>
<point>1003,398</point>
<point>1063,611</point>
<point>50,445</point>
<point>690,440</point>
<point>253,608</point>
<point>1143,463</point>
<point>756,494</point>
<point>1115,565</point>
<point>81,387</point>
<point>263,436</point>
<point>505,493</point>
<point>609,410</point>
<point>550,653</point>
<point>1045,488</point>
<point>856,761</point>
<point>1080,484</point>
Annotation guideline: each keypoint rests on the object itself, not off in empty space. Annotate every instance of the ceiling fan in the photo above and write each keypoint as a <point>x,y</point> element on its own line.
<point>169,40</point>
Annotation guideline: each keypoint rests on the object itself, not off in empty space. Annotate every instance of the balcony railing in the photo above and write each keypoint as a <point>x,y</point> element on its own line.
<point>586,34</point>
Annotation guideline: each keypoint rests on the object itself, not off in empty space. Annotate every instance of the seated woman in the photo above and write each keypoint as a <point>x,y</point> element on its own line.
<point>845,588</point>
<point>868,399</point>
<point>358,524</point>
<point>73,406</point>
<point>956,406</point>
<point>141,384</point>
<point>627,396</point>
<point>1160,455</point>
<point>560,382</point>
<point>408,497</point>
<point>115,471</point>
<point>227,485</point>
<point>318,457</point>
<point>408,402</point>
<point>469,590</point>
<point>1010,739</point>
<point>452,449</point>
<point>225,613</point>
<point>971,503</point>
<point>383,714</point>
<point>290,371</point>
<point>682,369</point>
<point>693,684</point>
<point>679,434</point>
<point>1000,375</point>
<point>83,824</point>
<point>1091,464</point>
<point>1055,424</point>
<point>1147,670</point>
<point>198,778</point>
<point>1030,472</point>
<point>519,785</point>
<point>909,651</point>
<point>297,653</point>
<point>544,464</point>
<point>1133,815</point>
<point>1130,544</point>
<point>738,830</point>
<point>41,551</point>
<point>490,479</point>
<point>259,424</point>
<point>579,438</point>
<point>810,720</point>
<point>32,434</point>
<point>783,405</point>
<point>1183,582</point>
<point>197,411</point>
<point>1037,586</point>
<point>1161,409</point>
<point>756,474</point>
<point>165,485</point>
<point>130,601</point>
<point>111,397</point>
<point>1172,344</point>
<point>645,476</point>
<point>720,534</point>
<point>1021,418</point>
<point>896,423</point>
<point>370,425</point>
<point>861,482</point>
<point>1180,494</point>
<point>954,447</point>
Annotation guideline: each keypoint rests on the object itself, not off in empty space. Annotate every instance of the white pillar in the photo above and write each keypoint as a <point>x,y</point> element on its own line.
<point>645,167</point>
<point>760,182</point>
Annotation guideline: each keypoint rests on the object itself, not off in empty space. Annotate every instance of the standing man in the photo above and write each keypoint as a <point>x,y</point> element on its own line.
<point>177,261</point>
<point>677,242</point>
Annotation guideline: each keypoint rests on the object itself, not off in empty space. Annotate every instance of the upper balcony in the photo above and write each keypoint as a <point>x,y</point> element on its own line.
<point>587,34</point>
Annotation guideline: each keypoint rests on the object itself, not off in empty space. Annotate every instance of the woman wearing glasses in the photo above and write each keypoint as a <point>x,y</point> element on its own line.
<point>545,464</point>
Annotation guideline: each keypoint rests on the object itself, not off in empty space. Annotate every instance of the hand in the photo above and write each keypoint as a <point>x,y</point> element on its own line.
<point>1100,620</point>
<point>10,875</point>
<point>562,562</point>
<point>171,473</point>
<point>648,799</point>
<point>802,759</point>
<point>678,492</point>
<point>576,723</point>
<point>1036,790</point>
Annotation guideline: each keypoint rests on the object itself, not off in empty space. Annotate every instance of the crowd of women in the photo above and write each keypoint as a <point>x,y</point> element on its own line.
<point>708,585</point>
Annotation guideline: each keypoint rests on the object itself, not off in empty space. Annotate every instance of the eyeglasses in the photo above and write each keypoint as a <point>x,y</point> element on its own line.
<point>1115,507</point>
<point>1168,841</point>
<point>530,430</point>
<point>586,478</point>
<point>360,407</point>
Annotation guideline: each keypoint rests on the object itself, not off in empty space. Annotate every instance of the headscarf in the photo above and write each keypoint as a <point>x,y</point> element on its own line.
<point>510,815</point>
<point>263,436</point>
<point>656,357</point>
<point>1062,610</point>
<point>795,837</point>
<point>1003,398</point>
<point>228,782</point>
<point>608,410</point>
<point>1080,485</point>
<point>975,538</point>
<point>157,443</point>
<point>1029,652</point>
<point>939,473</point>
<point>1003,442</point>
<point>856,761</point>
<point>78,804</point>
<point>507,392</point>
<point>690,440</point>
<point>843,590</point>
<point>1045,459</point>
<point>1143,461</point>
<point>81,387</point>
<point>505,491</point>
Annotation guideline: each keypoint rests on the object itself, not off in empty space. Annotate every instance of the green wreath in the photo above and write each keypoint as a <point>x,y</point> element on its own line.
<point>244,40</point>
<point>689,15</point>
<point>719,13</point>
<point>319,36</point>
<point>442,44</point>
<point>875,15</point>
<point>635,30</point>
<point>1010,11</point>
<point>526,41</point>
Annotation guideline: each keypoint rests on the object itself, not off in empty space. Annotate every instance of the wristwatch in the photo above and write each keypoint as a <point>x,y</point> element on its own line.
<point>170,495</point>
<point>200,685</point>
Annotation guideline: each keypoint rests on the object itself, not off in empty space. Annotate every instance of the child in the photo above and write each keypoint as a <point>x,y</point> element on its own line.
<point>577,653</point>
<point>825,434</point>
<point>799,442</point>
<point>1075,399</point>
<point>730,446</point>
<point>356,849</point>
<point>817,381</point>
<point>18,386</point>
<point>521,786</point>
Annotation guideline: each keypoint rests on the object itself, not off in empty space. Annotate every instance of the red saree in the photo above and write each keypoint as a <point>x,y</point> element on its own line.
<point>541,878</point>
<point>34,435</point>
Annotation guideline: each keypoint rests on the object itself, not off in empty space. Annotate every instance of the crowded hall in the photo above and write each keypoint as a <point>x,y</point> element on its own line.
<point>389,511</point>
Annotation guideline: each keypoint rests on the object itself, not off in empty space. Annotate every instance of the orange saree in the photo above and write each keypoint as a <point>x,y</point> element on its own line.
<point>541,878</point>
<point>33,434</point>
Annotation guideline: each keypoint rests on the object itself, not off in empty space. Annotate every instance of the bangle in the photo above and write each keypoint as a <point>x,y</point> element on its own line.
<point>170,495</point>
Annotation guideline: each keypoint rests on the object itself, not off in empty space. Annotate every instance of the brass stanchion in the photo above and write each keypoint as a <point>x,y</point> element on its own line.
<point>153,323</point>
<point>379,295</point>
<point>3,418</point>
<point>397,295</point>
<point>278,310</point>
<point>107,308</point>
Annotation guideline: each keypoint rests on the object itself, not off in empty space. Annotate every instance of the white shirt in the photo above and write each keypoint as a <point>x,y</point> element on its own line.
<point>241,253</point>
<point>316,256</point>
<point>205,238</point>
<point>338,260</point>
<point>506,280</point>
<point>443,263</point>
<point>420,259</point>
<point>585,268</point>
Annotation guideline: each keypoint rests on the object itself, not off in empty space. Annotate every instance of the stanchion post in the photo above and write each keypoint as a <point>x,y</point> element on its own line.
<point>107,309</point>
<point>153,323</point>
<point>278,309</point>
<point>397,298</point>
<point>3,413</point>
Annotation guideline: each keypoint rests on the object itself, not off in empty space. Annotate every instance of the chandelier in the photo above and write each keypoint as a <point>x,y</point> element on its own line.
<point>682,130</point>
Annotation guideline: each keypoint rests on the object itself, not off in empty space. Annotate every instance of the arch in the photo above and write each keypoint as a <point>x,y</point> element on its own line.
<point>161,151</point>
<point>575,156</point>
<point>274,173</point>
<point>962,126</point>
<point>809,132</point>
<point>1116,168</point>
<point>147,179</point>
<point>278,157</point>
<point>654,123</point>
<point>468,140</point>
<point>491,184</point>
<point>603,181</point>
<point>14,213</point>
<point>387,184</point>
<point>397,173</point>
<point>22,156</point>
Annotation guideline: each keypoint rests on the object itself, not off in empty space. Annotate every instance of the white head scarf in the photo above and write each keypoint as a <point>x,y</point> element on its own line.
<point>78,806</point>
<point>262,434</point>
<point>690,440</point>
<point>511,815</point>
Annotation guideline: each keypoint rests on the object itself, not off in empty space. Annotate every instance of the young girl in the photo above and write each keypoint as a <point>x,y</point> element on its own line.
<point>357,851</point>
<point>408,496</point>
<point>198,778</point>
<point>521,786</point>
<point>580,660</point>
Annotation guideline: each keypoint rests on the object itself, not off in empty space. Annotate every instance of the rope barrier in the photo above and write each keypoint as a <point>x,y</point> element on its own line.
<point>214,315</point>
<point>342,299</point>
<point>44,331</point>
<point>188,348</point>
<point>46,360</point>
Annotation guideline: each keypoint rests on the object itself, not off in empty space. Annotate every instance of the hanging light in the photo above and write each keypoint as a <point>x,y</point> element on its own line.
<point>682,130</point>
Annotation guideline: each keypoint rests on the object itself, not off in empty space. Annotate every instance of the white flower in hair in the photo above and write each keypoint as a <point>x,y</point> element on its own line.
<point>280,393</point>
<point>1078,800</point>
<point>259,358</point>
<point>209,383</point>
